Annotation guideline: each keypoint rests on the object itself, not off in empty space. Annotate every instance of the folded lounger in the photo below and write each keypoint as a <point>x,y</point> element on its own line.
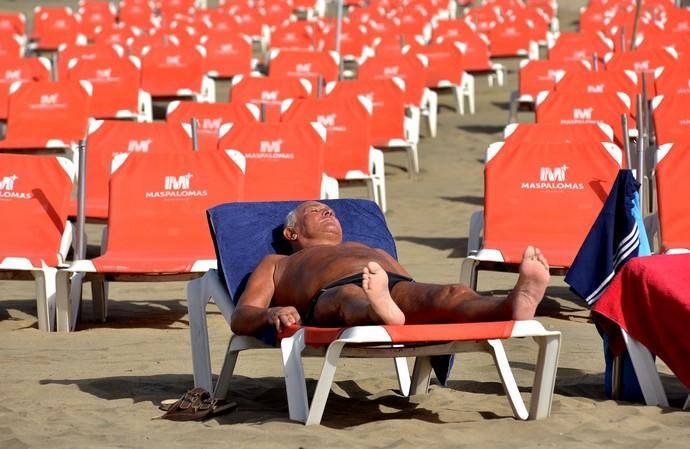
<point>245,232</point>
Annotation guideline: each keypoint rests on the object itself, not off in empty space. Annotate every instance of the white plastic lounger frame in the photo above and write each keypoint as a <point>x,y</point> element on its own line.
<point>647,374</point>
<point>20,268</point>
<point>377,343</point>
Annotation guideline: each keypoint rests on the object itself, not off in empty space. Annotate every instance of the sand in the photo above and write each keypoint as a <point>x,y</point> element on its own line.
<point>100,387</point>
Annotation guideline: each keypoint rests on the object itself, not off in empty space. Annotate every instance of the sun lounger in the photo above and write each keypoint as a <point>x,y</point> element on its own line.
<point>35,238</point>
<point>245,232</point>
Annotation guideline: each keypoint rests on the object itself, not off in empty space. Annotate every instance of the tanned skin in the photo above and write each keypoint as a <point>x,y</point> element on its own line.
<point>281,288</point>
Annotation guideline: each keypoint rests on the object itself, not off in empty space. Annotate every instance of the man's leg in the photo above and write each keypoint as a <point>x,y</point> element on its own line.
<point>352,305</point>
<point>431,303</point>
<point>412,302</point>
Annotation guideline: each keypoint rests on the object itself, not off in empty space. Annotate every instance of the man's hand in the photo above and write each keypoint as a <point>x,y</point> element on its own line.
<point>282,316</point>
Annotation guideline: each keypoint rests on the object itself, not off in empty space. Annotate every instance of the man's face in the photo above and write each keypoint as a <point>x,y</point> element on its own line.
<point>315,219</point>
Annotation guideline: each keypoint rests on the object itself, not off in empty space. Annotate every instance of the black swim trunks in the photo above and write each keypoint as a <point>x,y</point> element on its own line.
<point>356,279</point>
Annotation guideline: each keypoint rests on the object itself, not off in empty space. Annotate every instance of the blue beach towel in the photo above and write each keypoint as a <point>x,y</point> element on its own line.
<point>243,233</point>
<point>618,235</point>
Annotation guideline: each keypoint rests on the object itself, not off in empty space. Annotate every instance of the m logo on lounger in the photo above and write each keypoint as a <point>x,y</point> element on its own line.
<point>553,74</point>
<point>303,68</point>
<point>595,89</point>
<point>49,99</point>
<point>554,179</point>
<point>139,146</point>
<point>210,125</point>
<point>104,74</point>
<point>641,66</point>
<point>270,149</point>
<point>227,48</point>
<point>7,189</point>
<point>13,75</point>
<point>269,95</point>
<point>7,182</point>
<point>172,60</point>
<point>177,187</point>
<point>328,121</point>
<point>553,174</point>
<point>178,182</point>
<point>582,113</point>
<point>270,146</point>
<point>391,71</point>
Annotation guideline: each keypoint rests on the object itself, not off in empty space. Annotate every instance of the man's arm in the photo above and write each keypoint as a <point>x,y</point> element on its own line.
<point>252,312</point>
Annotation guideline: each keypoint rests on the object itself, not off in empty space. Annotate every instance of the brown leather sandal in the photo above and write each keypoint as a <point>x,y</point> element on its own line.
<point>196,405</point>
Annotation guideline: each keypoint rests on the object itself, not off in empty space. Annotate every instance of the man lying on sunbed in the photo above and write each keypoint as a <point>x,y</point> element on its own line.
<point>328,282</point>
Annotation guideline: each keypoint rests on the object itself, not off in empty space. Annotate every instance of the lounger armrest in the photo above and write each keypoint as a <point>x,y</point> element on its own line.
<point>474,236</point>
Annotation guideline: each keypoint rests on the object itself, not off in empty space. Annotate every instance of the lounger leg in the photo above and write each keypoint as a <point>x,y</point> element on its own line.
<point>459,100</point>
<point>412,160</point>
<point>323,386</point>
<point>45,297</point>
<point>645,369</point>
<point>381,186</point>
<point>100,300</point>
<point>513,106</point>
<point>432,112</point>
<point>421,376</point>
<point>468,272</point>
<point>62,301</point>
<point>468,91</point>
<point>198,330</point>
<point>403,373</point>
<point>500,74</point>
<point>507,379</point>
<point>545,375</point>
<point>237,344</point>
<point>295,384</point>
<point>373,191</point>
<point>63,306</point>
<point>379,177</point>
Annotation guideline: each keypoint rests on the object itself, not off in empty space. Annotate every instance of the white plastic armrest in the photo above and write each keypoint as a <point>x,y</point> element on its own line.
<point>476,226</point>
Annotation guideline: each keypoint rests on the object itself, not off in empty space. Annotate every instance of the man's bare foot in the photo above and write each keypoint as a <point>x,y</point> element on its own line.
<point>375,285</point>
<point>531,284</point>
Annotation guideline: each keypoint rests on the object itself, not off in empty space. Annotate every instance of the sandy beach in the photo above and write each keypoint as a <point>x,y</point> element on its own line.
<point>100,387</point>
